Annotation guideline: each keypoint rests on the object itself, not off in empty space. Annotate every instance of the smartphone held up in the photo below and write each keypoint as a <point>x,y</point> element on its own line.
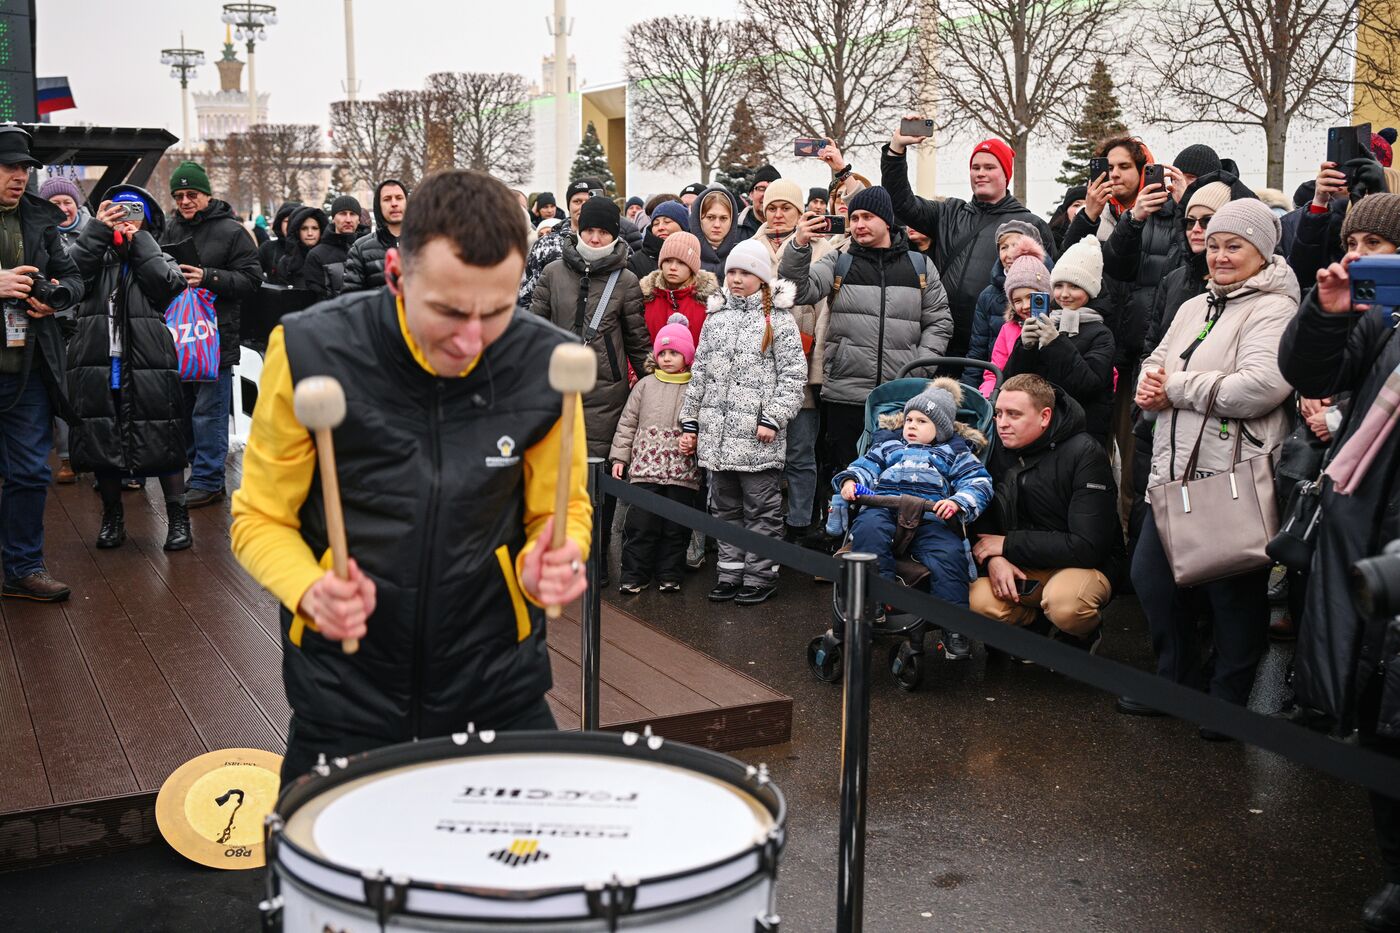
<point>807,147</point>
<point>915,126</point>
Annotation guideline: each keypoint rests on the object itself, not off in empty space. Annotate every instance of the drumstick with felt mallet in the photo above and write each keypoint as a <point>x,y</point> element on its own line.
<point>573,370</point>
<point>319,403</point>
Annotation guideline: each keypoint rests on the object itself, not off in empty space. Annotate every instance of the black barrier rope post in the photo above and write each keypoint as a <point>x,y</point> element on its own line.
<point>855,744</point>
<point>592,628</point>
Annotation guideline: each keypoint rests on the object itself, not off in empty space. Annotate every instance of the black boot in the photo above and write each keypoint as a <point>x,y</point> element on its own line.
<point>113,532</point>
<point>177,516</point>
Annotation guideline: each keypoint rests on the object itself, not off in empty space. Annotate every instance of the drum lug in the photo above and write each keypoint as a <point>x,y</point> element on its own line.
<point>611,900</point>
<point>385,896</point>
<point>272,831</point>
<point>766,923</point>
<point>271,910</point>
<point>321,768</point>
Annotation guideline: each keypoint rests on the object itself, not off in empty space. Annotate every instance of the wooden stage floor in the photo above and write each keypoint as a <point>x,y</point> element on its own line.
<point>157,658</point>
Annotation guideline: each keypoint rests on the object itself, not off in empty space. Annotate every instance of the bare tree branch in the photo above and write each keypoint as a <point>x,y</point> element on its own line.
<point>686,76</point>
<point>843,68</point>
<point>361,130</point>
<point>1016,68</point>
<point>488,114</point>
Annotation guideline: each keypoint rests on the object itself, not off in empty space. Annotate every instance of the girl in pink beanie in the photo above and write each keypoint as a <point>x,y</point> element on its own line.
<point>1026,274</point>
<point>647,447</point>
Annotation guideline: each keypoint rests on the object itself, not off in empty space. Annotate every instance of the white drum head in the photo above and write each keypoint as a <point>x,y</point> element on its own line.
<point>519,822</point>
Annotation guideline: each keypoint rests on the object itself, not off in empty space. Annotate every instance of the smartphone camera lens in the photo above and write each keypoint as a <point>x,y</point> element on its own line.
<point>1364,290</point>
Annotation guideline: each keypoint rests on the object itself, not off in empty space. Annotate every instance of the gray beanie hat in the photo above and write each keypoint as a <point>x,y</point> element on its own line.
<point>1021,227</point>
<point>1250,219</point>
<point>940,403</point>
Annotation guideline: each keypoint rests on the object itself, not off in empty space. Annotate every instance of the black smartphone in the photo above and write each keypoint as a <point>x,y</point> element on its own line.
<point>835,224</point>
<point>1098,167</point>
<point>1040,304</point>
<point>1154,174</point>
<point>915,126</point>
<point>808,148</point>
<point>1345,143</point>
<point>1375,280</point>
<point>1027,587</point>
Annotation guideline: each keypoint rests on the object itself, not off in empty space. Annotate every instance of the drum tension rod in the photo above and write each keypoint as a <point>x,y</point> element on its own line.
<point>385,896</point>
<point>611,900</point>
<point>271,907</point>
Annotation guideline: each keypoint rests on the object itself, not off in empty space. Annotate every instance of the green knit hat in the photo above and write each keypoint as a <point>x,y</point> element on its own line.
<point>190,176</point>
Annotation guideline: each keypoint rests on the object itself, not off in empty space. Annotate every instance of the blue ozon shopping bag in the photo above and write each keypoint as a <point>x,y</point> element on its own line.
<point>195,330</point>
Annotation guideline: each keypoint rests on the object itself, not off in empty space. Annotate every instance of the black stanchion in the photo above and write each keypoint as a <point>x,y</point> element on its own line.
<point>591,628</point>
<point>855,744</point>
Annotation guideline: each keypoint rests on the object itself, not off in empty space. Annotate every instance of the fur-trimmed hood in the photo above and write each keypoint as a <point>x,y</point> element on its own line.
<point>894,420</point>
<point>706,284</point>
<point>784,294</point>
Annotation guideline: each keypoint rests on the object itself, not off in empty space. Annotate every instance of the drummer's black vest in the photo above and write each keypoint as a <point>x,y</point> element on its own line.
<point>432,479</point>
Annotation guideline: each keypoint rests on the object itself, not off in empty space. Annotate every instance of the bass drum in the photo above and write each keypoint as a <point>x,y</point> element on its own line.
<point>548,831</point>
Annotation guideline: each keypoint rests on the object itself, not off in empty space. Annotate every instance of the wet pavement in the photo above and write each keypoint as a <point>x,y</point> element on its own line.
<point>1002,797</point>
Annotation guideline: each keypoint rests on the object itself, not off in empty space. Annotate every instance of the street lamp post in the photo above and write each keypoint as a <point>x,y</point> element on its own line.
<point>250,22</point>
<point>183,62</point>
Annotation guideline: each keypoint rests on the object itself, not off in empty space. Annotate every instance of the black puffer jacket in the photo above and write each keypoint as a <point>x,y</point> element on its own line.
<point>1179,286</point>
<point>643,261</point>
<point>964,235</point>
<point>1056,500</point>
<point>451,640</point>
<point>364,266</point>
<point>1081,364</point>
<point>1340,650</point>
<point>1139,254</point>
<point>293,267</point>
<point>324,272</point>
<point>45,250</point>
<point>141,429</point>
<point>274,249</point>
<point>231,270</point>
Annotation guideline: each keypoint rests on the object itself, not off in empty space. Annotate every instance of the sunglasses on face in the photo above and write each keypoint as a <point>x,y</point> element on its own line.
<point>186,196</point>
<point>1197,221</point>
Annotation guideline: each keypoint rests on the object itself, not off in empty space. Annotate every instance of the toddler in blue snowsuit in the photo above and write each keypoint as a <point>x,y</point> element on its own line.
<point>931,461</point>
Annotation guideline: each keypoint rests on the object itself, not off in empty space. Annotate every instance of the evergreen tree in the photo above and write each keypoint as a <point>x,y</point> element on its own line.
<point>744,154</point>
<point>592,162</point>
<point>1102,119</point>
<point>338,186</point>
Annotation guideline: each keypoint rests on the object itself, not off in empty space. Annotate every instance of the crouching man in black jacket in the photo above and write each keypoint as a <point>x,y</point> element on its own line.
<point>1051,545</point>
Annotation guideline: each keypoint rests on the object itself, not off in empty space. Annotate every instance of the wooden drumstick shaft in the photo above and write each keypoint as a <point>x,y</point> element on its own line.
<point>335,518</point>
<point>561,490</point>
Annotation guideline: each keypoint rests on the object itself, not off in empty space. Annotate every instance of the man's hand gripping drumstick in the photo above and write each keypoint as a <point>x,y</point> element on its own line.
<point>341,601</point>
<point>555,575</point>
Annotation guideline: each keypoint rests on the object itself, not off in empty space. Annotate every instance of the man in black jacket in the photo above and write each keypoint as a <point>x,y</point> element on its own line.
<point>1051,545</point>
<point>32,364</point>
<point>963,233</point>
<point>325,264</point>
<point>364,266</point>
<point>229,270</point>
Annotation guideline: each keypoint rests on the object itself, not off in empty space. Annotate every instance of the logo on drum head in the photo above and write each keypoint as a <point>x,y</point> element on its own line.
<point>521,852</point>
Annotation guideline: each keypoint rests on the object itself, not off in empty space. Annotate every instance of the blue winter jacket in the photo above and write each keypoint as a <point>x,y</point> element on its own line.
<point>943,471</point>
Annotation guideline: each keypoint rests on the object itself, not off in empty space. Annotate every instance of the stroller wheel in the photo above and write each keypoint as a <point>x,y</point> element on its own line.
<point>824,658</point>
<point>907,666</point>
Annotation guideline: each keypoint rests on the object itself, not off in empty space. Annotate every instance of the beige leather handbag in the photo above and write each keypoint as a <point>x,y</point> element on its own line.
<point>1217,526</point>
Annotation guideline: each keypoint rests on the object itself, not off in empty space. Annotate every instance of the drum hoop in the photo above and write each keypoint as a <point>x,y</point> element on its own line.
<point>603,744</point>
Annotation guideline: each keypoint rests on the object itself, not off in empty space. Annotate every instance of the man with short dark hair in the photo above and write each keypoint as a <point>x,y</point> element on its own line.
<point>448,459</point>
<point>816,200</point>
<point>364,266</point>
<point>324,271</point>
<point>1050,544</point>
<point>229,270</point>
<point>32,368</point>
<point>689,193</point>
<point>752,217</point>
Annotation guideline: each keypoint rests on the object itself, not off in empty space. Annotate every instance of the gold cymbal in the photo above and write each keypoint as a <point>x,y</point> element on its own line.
<point>211,809</point>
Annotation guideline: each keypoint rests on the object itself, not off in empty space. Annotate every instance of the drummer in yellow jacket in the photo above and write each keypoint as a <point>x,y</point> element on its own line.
<point>447,459</point>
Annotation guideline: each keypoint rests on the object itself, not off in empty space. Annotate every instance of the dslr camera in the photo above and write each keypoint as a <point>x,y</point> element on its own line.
<point>57,297</point>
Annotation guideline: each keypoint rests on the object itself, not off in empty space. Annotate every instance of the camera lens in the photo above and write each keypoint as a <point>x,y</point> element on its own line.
<point>1376,583</point>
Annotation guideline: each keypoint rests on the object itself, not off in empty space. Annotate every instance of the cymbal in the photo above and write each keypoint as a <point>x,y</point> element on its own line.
<point>211,808</point>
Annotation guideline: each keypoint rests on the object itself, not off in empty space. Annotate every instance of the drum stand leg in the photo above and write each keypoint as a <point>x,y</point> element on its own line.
<point>855,744</point>
<point>592,628</point>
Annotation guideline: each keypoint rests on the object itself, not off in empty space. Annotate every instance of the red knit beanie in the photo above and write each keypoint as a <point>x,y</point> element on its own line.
<point>1000,151</point>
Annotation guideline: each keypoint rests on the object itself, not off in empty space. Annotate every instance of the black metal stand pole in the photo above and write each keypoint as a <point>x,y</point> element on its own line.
<point>592,627</point>
<point>855,745</point>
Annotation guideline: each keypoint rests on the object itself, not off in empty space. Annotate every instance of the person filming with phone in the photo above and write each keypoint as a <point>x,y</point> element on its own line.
<point>1050,547</point>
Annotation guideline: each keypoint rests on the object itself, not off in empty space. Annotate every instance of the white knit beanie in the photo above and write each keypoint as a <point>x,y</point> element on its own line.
<point>751,256</point>
<point>1082,265</point>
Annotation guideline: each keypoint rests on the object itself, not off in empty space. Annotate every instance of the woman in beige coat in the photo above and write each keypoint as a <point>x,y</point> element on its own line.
<point>1230,334</point>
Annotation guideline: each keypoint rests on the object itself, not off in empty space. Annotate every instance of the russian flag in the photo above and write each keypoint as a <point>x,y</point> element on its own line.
<point>53,94</point>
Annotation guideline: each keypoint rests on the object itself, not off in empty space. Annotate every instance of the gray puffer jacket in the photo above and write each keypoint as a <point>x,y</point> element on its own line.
<point>880,320</point>
<point>619,339</point>
<point>736,386</point>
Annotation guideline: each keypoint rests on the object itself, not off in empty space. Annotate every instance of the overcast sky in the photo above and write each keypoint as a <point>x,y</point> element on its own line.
<point>111,51</point>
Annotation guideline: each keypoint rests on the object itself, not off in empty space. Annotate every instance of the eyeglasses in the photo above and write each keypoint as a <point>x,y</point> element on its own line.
<point>186,196</point>
<point>1197,221</point>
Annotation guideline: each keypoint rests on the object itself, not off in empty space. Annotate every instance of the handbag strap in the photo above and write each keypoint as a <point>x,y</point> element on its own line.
<point>602,308</point>
<point>1200,435</point>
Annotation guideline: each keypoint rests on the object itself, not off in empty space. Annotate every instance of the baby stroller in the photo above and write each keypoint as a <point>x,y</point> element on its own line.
<point>906,655</point>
